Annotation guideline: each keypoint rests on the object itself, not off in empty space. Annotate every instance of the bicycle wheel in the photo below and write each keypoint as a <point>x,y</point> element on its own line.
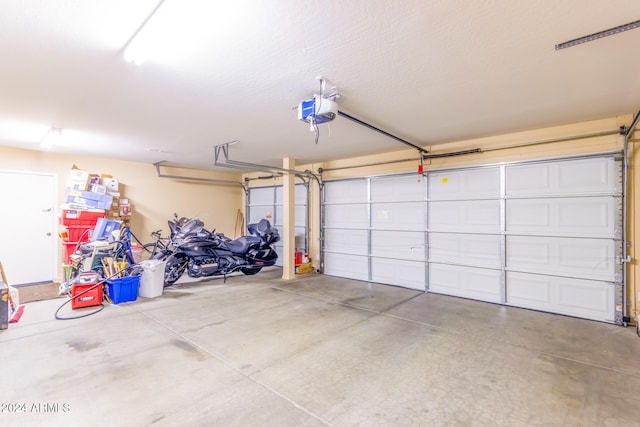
<point>149,250</point>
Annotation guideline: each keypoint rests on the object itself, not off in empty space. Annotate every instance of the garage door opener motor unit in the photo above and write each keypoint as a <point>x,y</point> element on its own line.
<point>320,109</point>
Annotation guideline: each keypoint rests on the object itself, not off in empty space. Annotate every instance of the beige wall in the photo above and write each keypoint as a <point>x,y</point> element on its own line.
<point>153,199</point>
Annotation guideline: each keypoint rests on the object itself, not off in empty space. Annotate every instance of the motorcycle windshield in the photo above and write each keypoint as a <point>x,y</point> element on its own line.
<point>192,226</point>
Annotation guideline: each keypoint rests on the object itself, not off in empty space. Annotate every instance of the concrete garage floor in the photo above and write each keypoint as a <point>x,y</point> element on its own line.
<point>316,351</point>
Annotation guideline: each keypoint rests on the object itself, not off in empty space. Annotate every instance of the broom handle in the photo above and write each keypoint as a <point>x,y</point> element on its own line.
<point>4,280</point>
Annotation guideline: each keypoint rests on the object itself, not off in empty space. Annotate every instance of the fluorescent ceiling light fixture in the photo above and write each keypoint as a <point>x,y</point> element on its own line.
<point>21,131</point>
<point>177,32</point>
<point>141,45</point>
<point>599,35</point>
<point>52,138</point>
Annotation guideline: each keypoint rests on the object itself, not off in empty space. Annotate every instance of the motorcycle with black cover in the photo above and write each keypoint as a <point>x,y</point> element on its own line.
<point>180,230</point>
<point>211,255</point>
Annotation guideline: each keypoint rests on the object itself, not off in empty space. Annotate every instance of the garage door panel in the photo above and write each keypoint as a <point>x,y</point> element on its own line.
<point>398,216</point>
<point>256,213</point>
<point>471,249</point>
<point>573,215</point>
<point>347,216</point>
<point>465,184</point>
<point>597,175</point>
<point>469,282</point>
<point>574,297</point>
<point>349,266</point>
<point>261,196</point>
<point>300,219</point>
<point>300,192</point>
<point>584,258</point>
<point>400,245</point>
<point>465,216</point>
<point>397,189</point>
<point>346,241</point>
<point>398,272</point>
<point>266,202</point>
<point>346,191</point>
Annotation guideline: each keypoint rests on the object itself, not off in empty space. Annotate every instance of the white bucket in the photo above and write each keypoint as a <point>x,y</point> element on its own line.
<point>152,280</point>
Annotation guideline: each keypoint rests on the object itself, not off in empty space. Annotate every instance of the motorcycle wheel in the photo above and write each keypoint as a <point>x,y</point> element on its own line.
<point>176,264</point>
<point>251,271</point>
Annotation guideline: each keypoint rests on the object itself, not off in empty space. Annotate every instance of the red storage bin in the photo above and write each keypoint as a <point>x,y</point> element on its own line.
<point>69,248</point>
<point>79,233</point>
<point>80,217</point>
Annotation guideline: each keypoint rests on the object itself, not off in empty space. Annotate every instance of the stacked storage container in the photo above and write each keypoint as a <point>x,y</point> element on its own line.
<point>90,197</point>
<point>79,224</point>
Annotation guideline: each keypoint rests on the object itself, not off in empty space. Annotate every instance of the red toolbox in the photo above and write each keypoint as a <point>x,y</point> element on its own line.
<point>86,291</point>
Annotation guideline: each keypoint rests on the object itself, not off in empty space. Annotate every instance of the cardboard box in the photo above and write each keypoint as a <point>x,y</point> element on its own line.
<point>98,188</point>
<point>125,209</point>
<point>304,268</point>
<point>115,202</point>
<point>78,179</point>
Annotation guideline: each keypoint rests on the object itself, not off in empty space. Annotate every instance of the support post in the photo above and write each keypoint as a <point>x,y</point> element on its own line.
<point>288,210</point>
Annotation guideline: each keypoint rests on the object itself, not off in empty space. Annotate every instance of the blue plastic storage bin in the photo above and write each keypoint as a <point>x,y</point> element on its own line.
<point>123,289</point>
<point>104,227</point>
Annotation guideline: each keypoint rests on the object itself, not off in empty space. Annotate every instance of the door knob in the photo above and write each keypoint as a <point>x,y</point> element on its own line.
<point>49,234</point>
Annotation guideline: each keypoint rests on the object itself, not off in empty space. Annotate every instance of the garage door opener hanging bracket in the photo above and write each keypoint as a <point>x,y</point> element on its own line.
<point>193,178</point>
<point>222,160</point>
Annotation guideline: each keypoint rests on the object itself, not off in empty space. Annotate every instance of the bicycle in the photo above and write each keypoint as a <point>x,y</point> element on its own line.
<point>158,249</point>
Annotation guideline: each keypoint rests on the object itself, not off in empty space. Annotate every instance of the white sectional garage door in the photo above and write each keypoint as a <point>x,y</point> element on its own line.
<point>267,202</point>
<point>563,235</point>
<point>544,235</point>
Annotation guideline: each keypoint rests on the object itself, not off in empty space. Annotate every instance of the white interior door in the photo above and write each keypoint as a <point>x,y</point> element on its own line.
<point>27,226</point>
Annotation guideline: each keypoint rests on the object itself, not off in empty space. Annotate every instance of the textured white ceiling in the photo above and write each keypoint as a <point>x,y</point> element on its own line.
<point>427,71</point>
